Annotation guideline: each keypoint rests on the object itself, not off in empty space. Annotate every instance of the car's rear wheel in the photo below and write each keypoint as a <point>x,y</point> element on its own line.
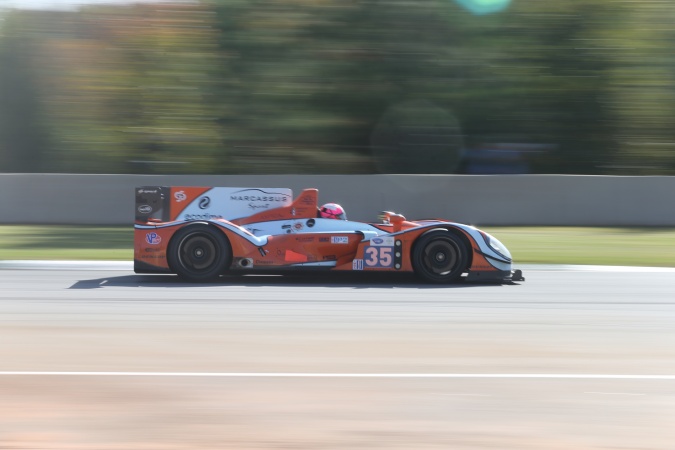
<point>440,257</point>
<point>199,253</point>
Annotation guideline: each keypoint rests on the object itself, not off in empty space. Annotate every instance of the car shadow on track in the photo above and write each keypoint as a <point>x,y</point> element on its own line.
<point>333,280</point>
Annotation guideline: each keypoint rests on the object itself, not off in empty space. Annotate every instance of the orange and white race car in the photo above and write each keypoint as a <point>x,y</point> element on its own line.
<point>201,233</point>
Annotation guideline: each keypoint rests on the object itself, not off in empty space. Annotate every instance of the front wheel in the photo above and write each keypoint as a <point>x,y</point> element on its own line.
<point>440,257</point>
<point>199,253</point>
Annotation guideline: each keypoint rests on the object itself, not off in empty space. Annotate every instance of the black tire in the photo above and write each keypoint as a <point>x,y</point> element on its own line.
<point>440,257</point>
<point>199,253</point>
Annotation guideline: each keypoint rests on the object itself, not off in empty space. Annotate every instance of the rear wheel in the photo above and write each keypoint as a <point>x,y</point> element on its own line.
<point>199,253</point>
<point>440,257</point>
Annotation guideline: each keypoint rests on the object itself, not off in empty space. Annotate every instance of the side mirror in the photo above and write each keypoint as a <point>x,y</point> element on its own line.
<point>397,220</point>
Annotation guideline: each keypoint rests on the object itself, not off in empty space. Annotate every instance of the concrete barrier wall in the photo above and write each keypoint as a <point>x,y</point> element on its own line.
<point>478,200</point>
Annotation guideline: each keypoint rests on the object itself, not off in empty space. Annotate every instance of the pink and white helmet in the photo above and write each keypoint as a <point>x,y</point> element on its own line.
<point>332,211</point>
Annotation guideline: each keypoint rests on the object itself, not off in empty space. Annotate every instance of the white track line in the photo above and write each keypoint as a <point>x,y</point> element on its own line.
<point>614,393</point>
<point>344,375</point>
<point>587,268</point>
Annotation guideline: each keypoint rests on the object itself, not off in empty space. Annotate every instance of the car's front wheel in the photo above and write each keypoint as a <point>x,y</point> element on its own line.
<point>440,257</point>
<point>199,253</point>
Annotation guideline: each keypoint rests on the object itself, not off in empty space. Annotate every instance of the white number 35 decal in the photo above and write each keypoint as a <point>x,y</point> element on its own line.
<point>379,256</point>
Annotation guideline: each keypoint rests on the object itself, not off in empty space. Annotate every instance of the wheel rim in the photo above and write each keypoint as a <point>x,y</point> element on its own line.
<point>197,253</point>
<point>440,257</point>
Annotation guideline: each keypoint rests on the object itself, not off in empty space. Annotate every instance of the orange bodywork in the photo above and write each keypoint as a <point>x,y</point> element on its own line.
<point>299,245</point>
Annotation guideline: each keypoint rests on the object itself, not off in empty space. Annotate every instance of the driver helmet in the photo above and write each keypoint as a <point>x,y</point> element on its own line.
<point>332,211</point>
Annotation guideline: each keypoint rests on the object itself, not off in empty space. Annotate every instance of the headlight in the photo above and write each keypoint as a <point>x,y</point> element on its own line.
<point>496,246</point>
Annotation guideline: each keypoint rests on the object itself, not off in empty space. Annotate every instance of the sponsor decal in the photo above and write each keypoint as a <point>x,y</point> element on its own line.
<point>203,216</point>
<point>145,209</point>
<point>180,196</point>
<point>259,199</point>
<point>152,250</point>
<point>148,191</point>
<point>298,226</point>
<point>330,257</point>
<point>307,200</point>
<point>148,256</point>
<point>153,238</point>
<point>324,239</point>
<point>357,264</point>
<point>305,238</point>
<point>263,263</point>
<point>384,241</point>
<point>339,240</point>
<point>311,222</point>
<point>153,256</point>
<point>258,195</point>
<point>204,202</point>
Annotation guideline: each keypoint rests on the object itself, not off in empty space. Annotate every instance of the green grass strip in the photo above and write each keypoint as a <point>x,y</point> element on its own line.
<point>543,245</point>
<point>58,242</point>
<point>650,247</point>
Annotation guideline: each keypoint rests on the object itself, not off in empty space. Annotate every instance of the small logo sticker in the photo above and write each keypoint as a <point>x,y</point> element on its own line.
<point>145,209</point>
<point>339,240</point>
<point>204,202</point>
<point>357,264</point>
<point>384,241</point>
<point>180,196</point>
<point>153,238</point>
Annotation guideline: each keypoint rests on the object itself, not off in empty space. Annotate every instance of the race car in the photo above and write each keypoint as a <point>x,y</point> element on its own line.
<point>201,233</point>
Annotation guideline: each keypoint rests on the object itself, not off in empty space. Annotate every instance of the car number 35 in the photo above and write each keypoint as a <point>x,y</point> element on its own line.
<point>379,256</point>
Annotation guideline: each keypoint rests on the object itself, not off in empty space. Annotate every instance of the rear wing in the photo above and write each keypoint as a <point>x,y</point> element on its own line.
<point>170,203</point>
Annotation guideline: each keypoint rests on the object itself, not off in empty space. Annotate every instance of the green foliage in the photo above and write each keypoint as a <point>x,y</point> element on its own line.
<point>321,86</point>
<point>22,139</point>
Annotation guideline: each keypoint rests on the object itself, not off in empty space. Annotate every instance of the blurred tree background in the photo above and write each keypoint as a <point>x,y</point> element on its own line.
<point>340,86</point>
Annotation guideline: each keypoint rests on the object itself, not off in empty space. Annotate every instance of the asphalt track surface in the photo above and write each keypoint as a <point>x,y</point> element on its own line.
<point>106,359</point>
